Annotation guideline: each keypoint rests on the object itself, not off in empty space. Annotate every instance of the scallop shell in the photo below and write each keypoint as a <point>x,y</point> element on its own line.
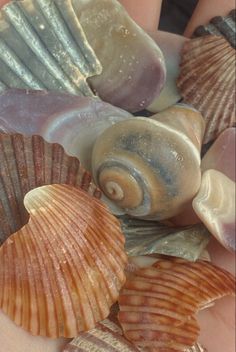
<point>43,46</point>
<point>141,164</point>
<point>158,304</point>
<point>215,206</point>
<point>207,81</point>
<point>74,122</point>
<point>61,272</point>
<point>27,163</point>
<point>148,237</point>
<point>107,336</point>
<point>219,25</point>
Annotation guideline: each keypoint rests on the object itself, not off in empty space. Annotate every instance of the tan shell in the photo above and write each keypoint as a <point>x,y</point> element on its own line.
<point>60,273</point>
<point>107,336</point>
<point>158,304</point>
<point>207,81</point>
<point>27,163</point>
<point>151,167</point>
<point>215,206</point>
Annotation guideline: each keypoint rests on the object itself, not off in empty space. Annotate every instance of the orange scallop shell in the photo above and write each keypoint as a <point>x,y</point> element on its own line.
<point>62,271</point>
<point>207,81</point>
<point>158,304</point>
<point>30,162</point>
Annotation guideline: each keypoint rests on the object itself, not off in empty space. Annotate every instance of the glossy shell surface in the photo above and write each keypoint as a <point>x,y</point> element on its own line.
<point>129,79</point>
<point>141,164</point>
<point>74,122</point>
<point>62,271</point>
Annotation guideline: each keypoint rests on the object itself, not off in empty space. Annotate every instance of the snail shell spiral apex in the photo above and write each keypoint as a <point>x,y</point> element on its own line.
<point>150,167</point>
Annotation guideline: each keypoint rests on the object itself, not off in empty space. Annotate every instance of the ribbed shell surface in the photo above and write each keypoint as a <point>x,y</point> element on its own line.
<point>158,304</point>
<point>106,337</point>
<point>30,162</point>
<point>43,46</point>
<point>207,81</point>
<point>60,273</point>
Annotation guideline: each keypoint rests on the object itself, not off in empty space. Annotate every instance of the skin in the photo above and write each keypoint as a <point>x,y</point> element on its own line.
<point>218,322</point>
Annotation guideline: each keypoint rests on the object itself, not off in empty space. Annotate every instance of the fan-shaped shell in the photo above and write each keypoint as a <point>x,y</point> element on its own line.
<point>158,304</point>
<point>27,163</point>
<point>151,167</point>
<point>63,270</point>
<point>207,81</point>
<point>43,46</point>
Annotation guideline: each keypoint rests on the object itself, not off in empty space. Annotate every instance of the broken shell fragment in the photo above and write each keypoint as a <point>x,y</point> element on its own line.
<point>221,155</point>
<point>61,272</point>
<point>130,79</point>
<point>171,45</point>
<point>107,336</point>
<point>148,237</point>
<point>43,46</point>
<point>215,206</point>
<point>207,81</point>
<point>27,163</point>
<point>220,25</point>
<point>151,167</point>
<point>158,304</point>
<point>74,122</point>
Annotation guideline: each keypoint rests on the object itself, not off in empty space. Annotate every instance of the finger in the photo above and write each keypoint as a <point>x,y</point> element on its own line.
<point>205,11</point>
<point>145,13</point>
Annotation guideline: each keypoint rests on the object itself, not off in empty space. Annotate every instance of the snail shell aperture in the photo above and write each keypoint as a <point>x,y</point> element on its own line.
<point>151,167</point>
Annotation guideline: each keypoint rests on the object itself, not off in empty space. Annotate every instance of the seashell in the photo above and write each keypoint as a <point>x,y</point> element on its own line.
<point>130,79</point>
<point>221,155</point>
<point>27,163</point>
<point>74,122</point>
<point>220,25</point>
<point>207,82</point>
<point>215,206</point>
<point>107,336</point>
<point>43,46</point>
<point>147,237</point>
<point>197,348</point>
<point>158,304</point>
<point>141,164</point>
<point>171,45</point>
<point>73,287</point>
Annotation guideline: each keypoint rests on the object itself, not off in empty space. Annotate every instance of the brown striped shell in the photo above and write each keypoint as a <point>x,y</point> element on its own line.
<point>27,163</point>
<point>60,273</point>
<point>207,81</point>
<point>158,304</point>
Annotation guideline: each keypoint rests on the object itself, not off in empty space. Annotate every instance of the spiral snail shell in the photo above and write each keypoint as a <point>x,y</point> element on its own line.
<point>151,167</point>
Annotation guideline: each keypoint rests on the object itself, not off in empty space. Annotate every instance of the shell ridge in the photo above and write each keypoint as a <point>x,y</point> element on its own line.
<point>75,71</point>
<point>58,283</point>
<point>67,11</point>
<point>20,22</point>
<point>89,295</point>
<point>48,282</point>
<point>9,57</point>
